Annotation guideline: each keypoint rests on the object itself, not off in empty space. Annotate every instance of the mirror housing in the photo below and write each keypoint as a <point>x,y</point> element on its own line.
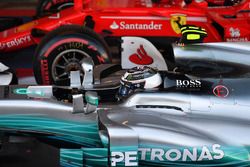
<point>88,67</point>
<point>92,102</point>
<point>75,79</point>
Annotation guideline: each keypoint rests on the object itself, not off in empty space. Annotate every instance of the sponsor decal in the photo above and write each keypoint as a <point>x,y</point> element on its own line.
<point>234,32</point>
<point>45,71</point>
<point>2,46</point>
<point>15,42</point>
<point>114,26</point>
<point>123,25</point>
<point>188,83</point>
<point>129,157</point>
<point>193,154</point>
<point>177,20</point>
<point>141,57</point>
<point>237,39</point>
<point>221,91</point>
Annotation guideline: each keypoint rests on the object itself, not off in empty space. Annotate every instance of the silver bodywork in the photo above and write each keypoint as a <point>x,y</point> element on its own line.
<point>5,77</point>
<point>225,59</point>
<point>153,121</point>
<point>201,118</point>
<point>180,120</point>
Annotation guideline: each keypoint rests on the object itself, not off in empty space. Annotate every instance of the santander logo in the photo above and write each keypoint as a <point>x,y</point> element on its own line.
<point>141,57</point>
<point>123,25</point>
<point>114,26</point>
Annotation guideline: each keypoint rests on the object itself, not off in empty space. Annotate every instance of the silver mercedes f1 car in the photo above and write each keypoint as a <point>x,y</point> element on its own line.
<point>145,118</point>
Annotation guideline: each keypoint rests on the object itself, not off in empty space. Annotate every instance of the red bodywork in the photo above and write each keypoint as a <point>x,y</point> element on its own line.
<point>139,18</point>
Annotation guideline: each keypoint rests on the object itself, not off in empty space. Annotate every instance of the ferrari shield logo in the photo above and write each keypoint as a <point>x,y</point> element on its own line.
<point>177,21</point>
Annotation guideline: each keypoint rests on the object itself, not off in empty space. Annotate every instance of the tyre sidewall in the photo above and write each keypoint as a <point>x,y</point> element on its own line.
<point>48,53</point>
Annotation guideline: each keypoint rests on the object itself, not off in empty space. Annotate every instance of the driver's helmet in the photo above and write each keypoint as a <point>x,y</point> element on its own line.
<point>139,78</point>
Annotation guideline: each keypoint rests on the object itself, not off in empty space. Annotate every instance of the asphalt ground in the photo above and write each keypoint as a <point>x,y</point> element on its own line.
<point>30,153</point>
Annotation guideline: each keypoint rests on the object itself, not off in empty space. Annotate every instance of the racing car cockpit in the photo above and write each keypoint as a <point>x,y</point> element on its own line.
<point>139,78</point>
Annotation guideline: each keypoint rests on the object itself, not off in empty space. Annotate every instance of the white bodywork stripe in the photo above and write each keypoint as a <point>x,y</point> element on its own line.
<point>195,19</point>
<point>135,17</point>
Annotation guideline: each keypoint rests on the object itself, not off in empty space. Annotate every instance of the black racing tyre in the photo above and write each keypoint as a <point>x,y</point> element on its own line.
<point>46,7</point>
<point>63,50</point>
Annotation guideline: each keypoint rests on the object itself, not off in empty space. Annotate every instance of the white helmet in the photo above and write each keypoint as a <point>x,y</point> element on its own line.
<point>139,78</point>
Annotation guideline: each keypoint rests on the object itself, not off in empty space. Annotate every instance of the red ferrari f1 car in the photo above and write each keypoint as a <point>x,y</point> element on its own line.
<point>94,28</point>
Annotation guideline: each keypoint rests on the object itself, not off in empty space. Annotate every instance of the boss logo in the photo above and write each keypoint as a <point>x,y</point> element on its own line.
<point>188,83</point>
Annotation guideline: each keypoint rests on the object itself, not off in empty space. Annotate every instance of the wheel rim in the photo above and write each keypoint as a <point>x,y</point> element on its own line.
<point>66,61</point>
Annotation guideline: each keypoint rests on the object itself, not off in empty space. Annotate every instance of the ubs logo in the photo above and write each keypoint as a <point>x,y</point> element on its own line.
<point>221,91</point>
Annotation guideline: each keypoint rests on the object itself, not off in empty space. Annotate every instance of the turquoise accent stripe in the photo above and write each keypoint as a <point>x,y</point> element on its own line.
<point>83,133</point>
<point>85,157</point>
<point>71,158</point>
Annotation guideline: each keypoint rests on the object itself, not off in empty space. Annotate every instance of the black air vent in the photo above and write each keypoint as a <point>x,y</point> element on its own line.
<point>159,106</point>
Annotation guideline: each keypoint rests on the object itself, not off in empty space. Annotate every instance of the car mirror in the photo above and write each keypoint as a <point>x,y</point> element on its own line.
<point>91,99</point>
<point>88,66</point>
<point>75,79</point>
<point>92,102</point>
